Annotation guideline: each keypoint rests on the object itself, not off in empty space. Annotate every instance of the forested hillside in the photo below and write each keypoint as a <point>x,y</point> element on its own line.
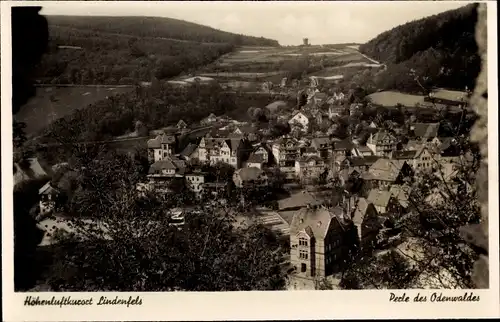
<point>159,27</point>
<point>126,50</point>
<point>440,49</point>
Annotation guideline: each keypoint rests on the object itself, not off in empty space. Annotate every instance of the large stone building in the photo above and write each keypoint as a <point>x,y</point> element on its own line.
<point>320,240</point>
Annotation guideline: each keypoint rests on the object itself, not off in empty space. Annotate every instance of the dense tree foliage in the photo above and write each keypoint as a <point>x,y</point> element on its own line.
<point>119,59</point>
<point>427,247</point>
<point>127,50</point>
<point>123,241</point>
<point>159,27</point>
<point>440,50</point>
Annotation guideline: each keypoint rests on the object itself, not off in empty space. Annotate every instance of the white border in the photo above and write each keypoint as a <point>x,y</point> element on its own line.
<point>249,305</point>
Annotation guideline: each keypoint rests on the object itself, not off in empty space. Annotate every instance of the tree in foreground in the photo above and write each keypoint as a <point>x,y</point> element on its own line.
<point>431,251</point>
<point>123,241</point>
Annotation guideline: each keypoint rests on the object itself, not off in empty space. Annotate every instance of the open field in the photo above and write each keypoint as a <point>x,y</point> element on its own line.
<point>391,98</point>
<point>242,74</point>
<point>259,64</point>
<point>52,103</point>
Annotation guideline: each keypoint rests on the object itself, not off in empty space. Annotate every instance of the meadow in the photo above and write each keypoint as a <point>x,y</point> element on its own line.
<point>392,98</point>
<point>255,65</point>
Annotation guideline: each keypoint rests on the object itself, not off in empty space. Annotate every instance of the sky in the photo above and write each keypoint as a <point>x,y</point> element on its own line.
<point>288,22</point>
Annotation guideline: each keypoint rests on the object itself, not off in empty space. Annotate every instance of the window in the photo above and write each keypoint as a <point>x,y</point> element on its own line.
<point>302,241</point>
<point>303,268</point>
<point>303,254</point>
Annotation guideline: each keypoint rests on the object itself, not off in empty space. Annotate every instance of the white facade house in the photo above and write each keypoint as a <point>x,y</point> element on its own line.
<point>48,195</point>
<point>214,150</point>
<point>381,143</point>
<point>195,182</point>
<point>161,147</point>
<point>301,121</point>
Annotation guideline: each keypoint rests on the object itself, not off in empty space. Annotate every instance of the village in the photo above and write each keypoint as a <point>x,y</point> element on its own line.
<point>328,197</point>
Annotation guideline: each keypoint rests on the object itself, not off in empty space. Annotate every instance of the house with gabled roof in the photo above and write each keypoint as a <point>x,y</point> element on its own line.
<point>320,241</point>
<point>255,161</point>
<point>181,125</point>
<point>425,131</point>
<point>300,121</point>
<point>285,151</point>
<point>348,174</point>
<point>386,172</point>
<point>161,147</point>
<point>341,149</point>
<point>323,145</point>
<point>383,200</point>
<point>214,150</point>
<point>297,201</point>
<point>48,198</point>
<point>308,168</point>
<point>169,167</point>
<point>421,159</point>
<point>260,156</point>
<point>366,220</point>
<point>361,151</point>
<point>190,152</point>
<point>381,143</point>
<point>209,119</point>
<point>361,164</point>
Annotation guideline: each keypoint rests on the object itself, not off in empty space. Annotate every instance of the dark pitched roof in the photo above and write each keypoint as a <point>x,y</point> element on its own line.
<point>320,142</point>
<point>404,155</point>
<point>317,219</point>
<point>234,143</point>
<point>363,148</point>
<point>425,130</point>
<point>298,200</point>
<point>162,165</point>
<point>360,211</point>
<point>381,136</point>
<point>189,149</point>
<point>379,197</point>
<point>385,169</point>
<point>256,158</point>
<point>363,161</point>
<point>345,144</point>
<point>159,140</point>
<point>48,188</point>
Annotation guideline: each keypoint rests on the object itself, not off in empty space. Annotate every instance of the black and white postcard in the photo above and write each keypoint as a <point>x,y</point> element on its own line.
<point>249,160</point>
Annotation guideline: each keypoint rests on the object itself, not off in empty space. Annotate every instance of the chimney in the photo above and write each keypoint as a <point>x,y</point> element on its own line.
<point>306,41</point>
